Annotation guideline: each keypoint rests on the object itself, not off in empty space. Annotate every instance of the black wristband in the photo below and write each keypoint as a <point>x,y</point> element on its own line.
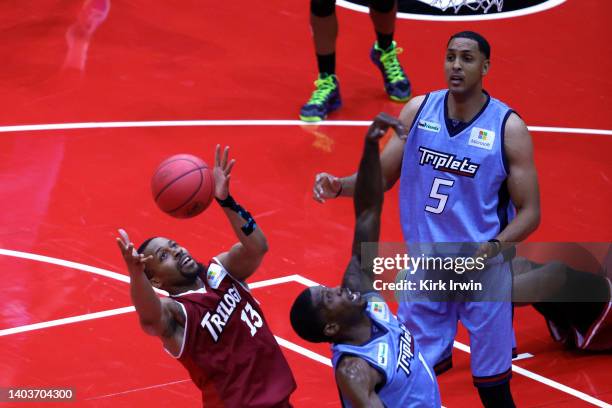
<point>230,203</point>
<point>227,201</point>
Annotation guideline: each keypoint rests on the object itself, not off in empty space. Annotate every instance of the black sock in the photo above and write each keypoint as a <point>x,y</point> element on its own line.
<point>498,396</point>
<point>384,40</point>
<point>327,63</point>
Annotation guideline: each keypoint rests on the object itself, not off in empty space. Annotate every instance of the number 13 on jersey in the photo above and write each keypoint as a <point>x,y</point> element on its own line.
<point>251,318</point>
<point>437,195</point>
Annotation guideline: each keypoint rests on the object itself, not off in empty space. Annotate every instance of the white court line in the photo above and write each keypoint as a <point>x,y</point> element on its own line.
<point>66,320</point>
<point>191,123</point>
<point>72,265</point>
<point>175,123</point>
<point>560,387</point>
<point>305,281</point>
<point>546,381</point>
<point>523,356</point>
<point>285,343</point>
<point>68,264</point>
<point>274,281</point>
<point>303,351</point>
<point>570,130</point>
<point>138,389</point>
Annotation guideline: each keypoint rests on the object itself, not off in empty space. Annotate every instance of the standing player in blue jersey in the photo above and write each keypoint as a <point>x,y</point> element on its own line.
<point>466,174</point>
<point>376,360</point>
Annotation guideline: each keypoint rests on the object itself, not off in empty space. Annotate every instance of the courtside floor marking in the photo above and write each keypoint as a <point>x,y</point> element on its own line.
<point>151,387</point>
<point>66,320</point>
<point>285,343</point>
<point>546,381</point>
<point>523,356</point>
<point>303,351</point>
<point>192,123</point>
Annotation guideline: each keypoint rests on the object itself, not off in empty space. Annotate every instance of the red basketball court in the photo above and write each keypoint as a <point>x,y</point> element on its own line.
<point>90,107</point>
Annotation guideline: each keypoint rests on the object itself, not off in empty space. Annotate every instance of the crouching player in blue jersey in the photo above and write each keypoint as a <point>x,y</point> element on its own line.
<point>376,360</point>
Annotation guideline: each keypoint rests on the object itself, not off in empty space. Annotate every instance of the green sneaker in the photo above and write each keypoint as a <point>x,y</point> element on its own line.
<point>396,82</point>
<point>324,99</point>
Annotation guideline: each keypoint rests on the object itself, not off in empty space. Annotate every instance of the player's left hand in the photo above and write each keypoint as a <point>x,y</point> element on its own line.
<point>488,250</point>
<point>382,122</point>
<point>222,171</point>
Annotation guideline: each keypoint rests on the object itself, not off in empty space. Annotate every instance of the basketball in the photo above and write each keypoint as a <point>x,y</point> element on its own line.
<point>183,186</point>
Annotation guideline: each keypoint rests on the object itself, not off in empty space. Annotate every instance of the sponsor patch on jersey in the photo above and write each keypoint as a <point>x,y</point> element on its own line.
<point>429,126</point>
<point>482,138</point>
<point>382,356</point>
<point>380,310</point>
<point>215,275</point>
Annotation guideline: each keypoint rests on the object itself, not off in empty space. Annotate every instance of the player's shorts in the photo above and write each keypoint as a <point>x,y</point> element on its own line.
<point>489,323</point>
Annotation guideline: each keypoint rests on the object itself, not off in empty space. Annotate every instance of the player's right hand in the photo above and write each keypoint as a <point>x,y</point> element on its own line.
<point>134,261</point>
<point>326,186</point>
<point>381,123</point>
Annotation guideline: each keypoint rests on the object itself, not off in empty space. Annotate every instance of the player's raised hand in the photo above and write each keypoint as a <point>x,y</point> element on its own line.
<point>221,172</point>
<point>381,123</point>
<point>134,261</point>
<point>326,186</point>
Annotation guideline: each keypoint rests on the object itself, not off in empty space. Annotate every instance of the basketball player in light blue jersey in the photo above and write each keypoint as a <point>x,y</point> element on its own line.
<point>376,360</point>
<point>466,174</point>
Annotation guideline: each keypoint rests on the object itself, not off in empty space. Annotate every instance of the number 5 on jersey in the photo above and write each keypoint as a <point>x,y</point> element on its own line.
<point>252,319</point>
<point>435,194</point>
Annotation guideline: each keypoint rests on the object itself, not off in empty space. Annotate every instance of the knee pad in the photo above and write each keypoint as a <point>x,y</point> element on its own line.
<point>382,6</point>
<point>322,8</point>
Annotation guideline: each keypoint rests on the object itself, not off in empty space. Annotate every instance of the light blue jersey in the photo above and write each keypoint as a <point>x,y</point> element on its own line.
<point>408,379</point>
<point>452,187</point>
<point>453,190</point>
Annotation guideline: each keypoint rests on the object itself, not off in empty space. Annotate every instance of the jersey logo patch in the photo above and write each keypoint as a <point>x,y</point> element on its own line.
<point>380,310</point>
<point>482,138</point>
<point>429,126</point>
<point>215,275</point>
<point>382,356</point>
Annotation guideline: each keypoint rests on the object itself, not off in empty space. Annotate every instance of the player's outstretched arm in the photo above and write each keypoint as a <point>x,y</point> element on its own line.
<point>245,256</point>
<point>357,381</point>
<point>522,181</point>
<point>368,202</point>
<point>157,317</point>
<point>328,186</point>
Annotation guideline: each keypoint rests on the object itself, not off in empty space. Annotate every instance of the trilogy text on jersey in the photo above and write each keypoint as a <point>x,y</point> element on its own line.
<point>215,322</point>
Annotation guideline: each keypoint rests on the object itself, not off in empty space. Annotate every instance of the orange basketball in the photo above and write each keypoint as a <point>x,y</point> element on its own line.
<point>183,186</point>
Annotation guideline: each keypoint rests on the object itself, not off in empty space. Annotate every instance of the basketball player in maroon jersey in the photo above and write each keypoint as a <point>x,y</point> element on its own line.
<point>211,323</point>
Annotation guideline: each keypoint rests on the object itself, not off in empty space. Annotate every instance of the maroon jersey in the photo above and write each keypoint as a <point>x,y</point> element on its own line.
<point>228,348</point>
